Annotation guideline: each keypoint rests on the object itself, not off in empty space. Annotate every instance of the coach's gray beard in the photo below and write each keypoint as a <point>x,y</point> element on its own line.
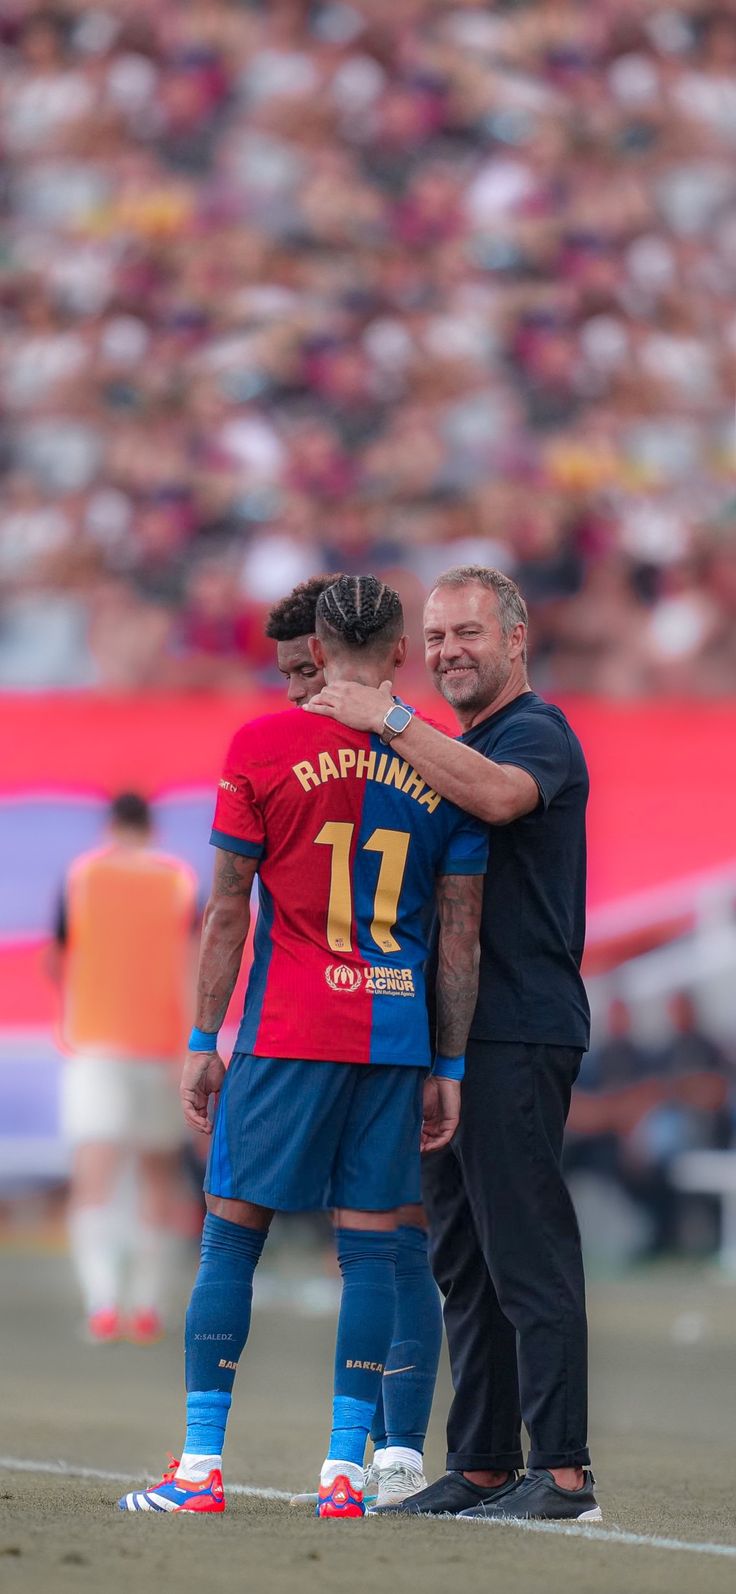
<point>479,690</point>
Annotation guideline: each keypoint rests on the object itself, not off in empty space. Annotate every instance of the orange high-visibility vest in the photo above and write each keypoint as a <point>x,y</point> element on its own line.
<point>130,916</point>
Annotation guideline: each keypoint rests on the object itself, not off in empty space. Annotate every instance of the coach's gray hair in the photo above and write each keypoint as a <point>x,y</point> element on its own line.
<point>511,606</point>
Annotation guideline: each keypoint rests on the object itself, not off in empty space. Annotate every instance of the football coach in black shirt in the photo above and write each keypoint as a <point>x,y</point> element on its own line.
<point>503,1234</point>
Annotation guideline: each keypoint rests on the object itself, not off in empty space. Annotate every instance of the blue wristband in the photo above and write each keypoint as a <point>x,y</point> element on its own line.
<point>202,1040</point>
<point>449,1067</point>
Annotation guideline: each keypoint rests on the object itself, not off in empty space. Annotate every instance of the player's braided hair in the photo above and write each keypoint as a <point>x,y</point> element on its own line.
<point>296,615</point>
<point>359,611</point>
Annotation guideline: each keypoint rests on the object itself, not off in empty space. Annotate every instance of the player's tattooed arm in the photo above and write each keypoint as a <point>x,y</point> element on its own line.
<point>224,931</point>
<point>459,900</point>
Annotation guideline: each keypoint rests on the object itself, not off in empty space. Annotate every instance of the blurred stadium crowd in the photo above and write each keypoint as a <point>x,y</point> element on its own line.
<point>291,286</point>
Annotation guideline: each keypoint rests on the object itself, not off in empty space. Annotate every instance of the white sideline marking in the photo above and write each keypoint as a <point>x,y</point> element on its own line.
<point>576,1530</point>
<point>592,1532</point>
<point>64,1469</point>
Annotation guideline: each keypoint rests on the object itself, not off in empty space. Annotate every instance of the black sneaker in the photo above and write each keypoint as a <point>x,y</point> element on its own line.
<point>449,1496</point>
<point>537,1498</point>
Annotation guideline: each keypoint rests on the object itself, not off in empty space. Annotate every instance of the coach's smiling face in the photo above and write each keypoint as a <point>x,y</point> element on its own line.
<point>473,663</point>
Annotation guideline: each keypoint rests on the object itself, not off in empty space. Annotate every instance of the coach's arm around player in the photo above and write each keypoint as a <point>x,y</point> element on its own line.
<point>495,793</point>
<point>224,934</point>
<point>476,656</point>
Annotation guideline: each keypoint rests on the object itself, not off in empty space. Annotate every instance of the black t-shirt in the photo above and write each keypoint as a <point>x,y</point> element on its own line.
<point>533,925</point>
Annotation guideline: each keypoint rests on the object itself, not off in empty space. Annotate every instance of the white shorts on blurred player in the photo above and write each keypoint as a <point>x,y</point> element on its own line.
<point>120,1114</point>
<point>124,1101</point>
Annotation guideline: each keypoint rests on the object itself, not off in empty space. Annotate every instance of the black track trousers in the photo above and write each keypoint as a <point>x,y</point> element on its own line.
<point>505,1250</point>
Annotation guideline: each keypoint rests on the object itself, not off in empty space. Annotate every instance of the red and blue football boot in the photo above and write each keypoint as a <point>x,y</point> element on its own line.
<point>340,1499</point>
<point>177,1494</point>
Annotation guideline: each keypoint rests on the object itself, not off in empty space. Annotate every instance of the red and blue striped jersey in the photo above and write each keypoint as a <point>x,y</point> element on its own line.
<point>349,841</point>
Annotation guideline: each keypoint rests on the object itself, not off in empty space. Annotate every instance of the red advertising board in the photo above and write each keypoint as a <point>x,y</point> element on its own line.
<point>661,813</point>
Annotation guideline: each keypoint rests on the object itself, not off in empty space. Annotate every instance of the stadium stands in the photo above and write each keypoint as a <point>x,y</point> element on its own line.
<point>288,286</point>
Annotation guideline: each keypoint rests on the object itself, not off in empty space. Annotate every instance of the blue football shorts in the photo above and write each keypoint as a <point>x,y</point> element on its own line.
<point>300,1136</point>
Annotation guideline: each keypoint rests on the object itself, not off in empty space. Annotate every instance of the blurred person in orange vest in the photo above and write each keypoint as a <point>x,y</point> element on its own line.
<point>122,954</point>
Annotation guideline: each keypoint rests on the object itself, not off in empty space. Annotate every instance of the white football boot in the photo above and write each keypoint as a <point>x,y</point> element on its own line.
<point>398,1479</point>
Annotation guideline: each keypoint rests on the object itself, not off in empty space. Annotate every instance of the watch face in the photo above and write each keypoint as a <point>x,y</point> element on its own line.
<point>398,718</point>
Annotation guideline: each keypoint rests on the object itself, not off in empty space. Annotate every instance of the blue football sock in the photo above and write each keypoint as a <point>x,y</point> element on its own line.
<point>217,1326</point>
<point>379,1437</point>
<point>412,1362</point>
<point>207,1414</point>
<point>367,1261</point>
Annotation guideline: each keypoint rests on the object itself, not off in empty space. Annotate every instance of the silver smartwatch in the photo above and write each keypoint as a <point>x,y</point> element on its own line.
<point>396,721</point>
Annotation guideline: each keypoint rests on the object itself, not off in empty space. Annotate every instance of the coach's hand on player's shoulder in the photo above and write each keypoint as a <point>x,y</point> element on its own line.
<point>363,708</point>
<point>202,1077</point>
<point>441,1112</point>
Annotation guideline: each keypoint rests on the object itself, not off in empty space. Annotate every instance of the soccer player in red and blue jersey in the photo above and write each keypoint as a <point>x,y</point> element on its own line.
<point>401,1419</point>
<point>326,1099</point>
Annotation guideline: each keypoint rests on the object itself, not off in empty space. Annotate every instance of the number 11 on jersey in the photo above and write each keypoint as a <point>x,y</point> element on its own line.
<point>394,847</point>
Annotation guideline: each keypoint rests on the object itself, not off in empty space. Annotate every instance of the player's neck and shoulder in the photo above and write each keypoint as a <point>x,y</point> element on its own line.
<point>316,750</point>
<point>268,736</point>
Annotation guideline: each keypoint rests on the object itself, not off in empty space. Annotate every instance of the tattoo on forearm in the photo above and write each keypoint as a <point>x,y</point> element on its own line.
<point>219,963</point>
<point>226,924</point>
<point>233,874</point>
<point>459,900</point>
